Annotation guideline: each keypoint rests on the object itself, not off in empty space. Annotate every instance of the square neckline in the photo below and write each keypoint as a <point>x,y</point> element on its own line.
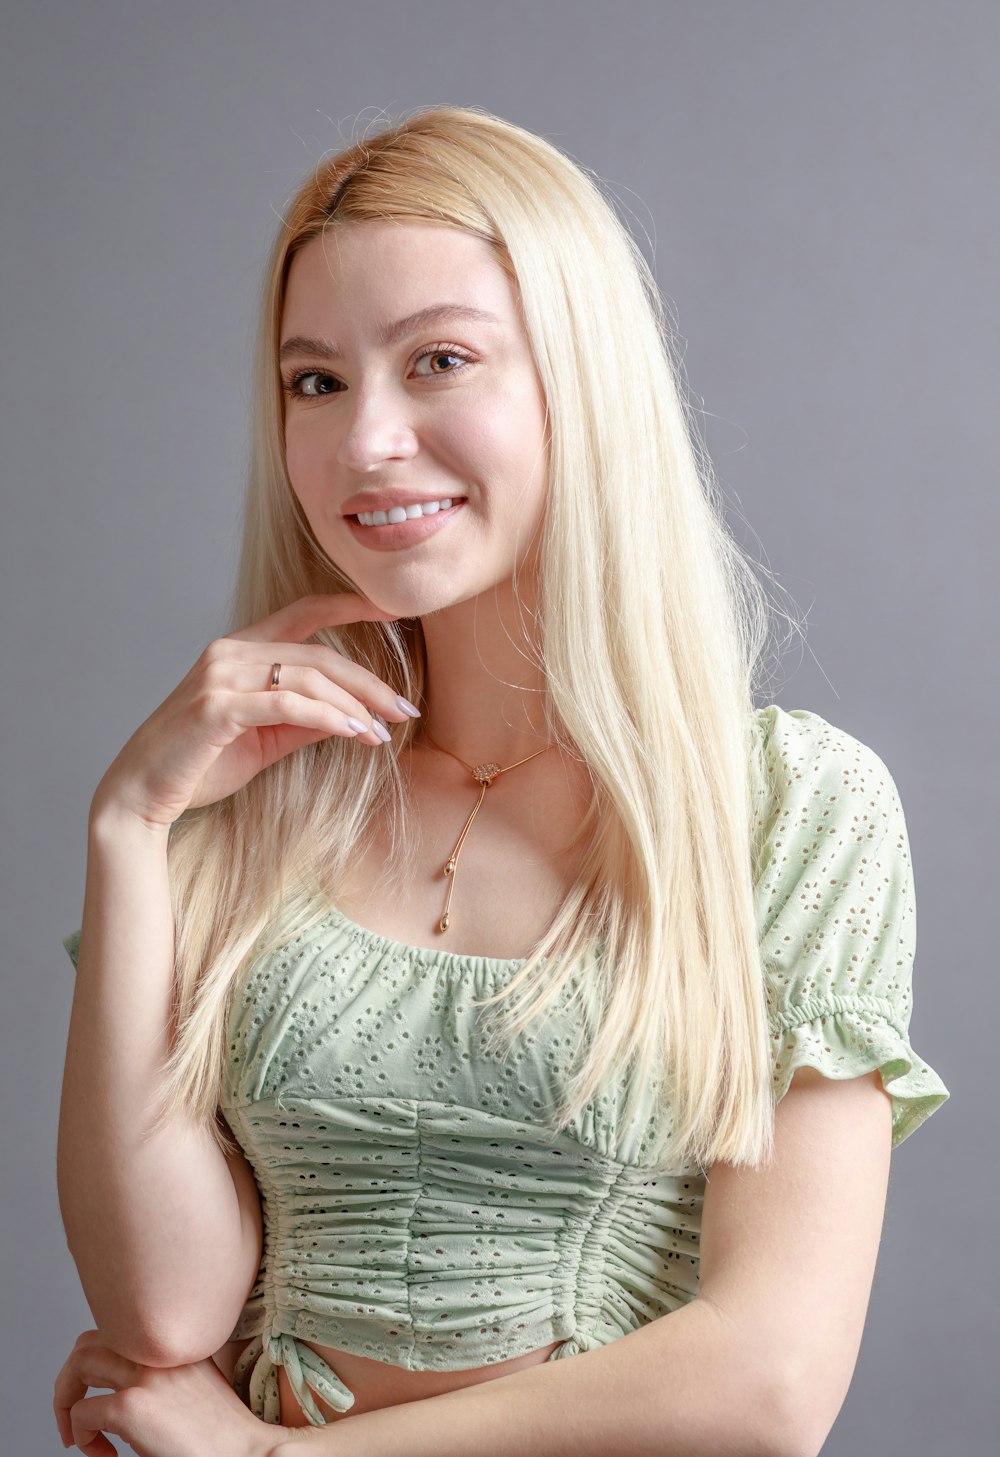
<point>376,941</point>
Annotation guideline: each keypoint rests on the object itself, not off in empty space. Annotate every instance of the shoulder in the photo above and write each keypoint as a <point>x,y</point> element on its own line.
<point>832,856</point>
<point>805,754</point>
<point>821,796</point>
<point>836,916</point>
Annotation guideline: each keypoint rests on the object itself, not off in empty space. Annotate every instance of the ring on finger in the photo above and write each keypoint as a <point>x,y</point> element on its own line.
<point>275,675</point>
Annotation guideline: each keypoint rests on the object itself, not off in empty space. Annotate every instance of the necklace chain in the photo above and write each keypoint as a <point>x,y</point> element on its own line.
<point>484,774</point>
<point>478,769</point>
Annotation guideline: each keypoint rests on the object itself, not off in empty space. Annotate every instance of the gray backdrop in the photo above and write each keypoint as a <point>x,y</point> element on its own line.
<point>816,183</point>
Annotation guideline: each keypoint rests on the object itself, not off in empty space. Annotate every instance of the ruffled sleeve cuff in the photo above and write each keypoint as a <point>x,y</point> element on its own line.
<point>848,1037</point>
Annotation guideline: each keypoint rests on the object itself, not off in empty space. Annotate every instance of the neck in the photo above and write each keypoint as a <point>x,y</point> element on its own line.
<point>485,690</point>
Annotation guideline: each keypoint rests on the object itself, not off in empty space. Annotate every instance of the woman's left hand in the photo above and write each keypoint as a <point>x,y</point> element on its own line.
<point>175,1411</point>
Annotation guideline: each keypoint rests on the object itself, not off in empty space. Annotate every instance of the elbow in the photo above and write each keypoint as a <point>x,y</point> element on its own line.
<point>161,1344</point>
<point>799,1431</point>
<point>809,1438</point>
<point>138,1339</point>
<point>153,1330</point>
<point>144,1331</point>
<point>801,1442</point>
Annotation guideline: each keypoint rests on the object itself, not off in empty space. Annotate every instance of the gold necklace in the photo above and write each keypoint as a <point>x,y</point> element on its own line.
<point>484,774</point>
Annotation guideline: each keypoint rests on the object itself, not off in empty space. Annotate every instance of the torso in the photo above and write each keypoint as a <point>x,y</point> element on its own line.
<point>516,867</point>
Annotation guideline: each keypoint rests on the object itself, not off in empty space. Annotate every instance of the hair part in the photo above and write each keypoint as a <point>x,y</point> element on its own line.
<point>652,623</point>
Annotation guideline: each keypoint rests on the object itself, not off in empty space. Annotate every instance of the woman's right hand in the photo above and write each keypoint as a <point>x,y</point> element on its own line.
<point>223,723</point>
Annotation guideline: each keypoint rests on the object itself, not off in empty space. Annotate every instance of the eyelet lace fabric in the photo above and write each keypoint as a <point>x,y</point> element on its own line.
<point>417,1211</point>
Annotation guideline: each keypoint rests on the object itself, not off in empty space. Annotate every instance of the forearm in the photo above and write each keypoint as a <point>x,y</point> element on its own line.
<point>151,1222</point>
<point>682,1386</point>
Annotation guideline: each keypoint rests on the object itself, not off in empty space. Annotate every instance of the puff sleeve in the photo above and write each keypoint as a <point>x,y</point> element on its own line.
<point>834,899</point>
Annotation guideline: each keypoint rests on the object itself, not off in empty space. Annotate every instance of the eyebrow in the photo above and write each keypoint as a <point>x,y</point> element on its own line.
<point>390,333</point>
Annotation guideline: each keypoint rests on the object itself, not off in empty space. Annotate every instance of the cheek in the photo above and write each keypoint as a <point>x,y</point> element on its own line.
<point>304,466</point>
<point>466,434</point>
<point>522,442</point>
<point>493,439</point>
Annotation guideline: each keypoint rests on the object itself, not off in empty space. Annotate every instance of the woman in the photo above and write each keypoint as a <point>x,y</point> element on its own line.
<point>407,1061</point>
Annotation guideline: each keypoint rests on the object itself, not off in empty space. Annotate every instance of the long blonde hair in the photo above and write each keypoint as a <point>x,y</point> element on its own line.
<point>652,628</point>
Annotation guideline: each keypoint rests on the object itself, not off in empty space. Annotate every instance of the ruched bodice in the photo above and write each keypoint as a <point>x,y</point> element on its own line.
<point>416,1208</point>
<point>434,1224</point>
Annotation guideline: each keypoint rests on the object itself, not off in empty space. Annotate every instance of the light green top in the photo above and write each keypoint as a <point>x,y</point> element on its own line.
<point>416,1209</point>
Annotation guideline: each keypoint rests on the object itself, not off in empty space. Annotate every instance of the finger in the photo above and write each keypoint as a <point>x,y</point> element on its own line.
<point>353,677</point>
<point>67,1388</point>
<point>98,1447</point>
<point>93,1365</point>
<point>360,696</point>
<point>300,619</point>
<point>88,1366</point>
<point>64,1424</point>
<point>369,691</point>
<point>281,707</point>
<point>89,1420</point>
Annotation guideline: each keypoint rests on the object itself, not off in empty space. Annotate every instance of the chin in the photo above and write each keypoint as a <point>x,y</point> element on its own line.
<point>420,600</point>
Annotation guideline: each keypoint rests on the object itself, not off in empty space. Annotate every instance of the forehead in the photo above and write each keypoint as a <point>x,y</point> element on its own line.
<point>382,271</point>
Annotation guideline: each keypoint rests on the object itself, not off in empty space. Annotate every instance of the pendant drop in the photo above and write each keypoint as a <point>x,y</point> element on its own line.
<point>484,775</point>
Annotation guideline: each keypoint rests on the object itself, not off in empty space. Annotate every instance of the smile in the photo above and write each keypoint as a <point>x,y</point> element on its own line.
<point>402,526</point>
<point>404,513</point>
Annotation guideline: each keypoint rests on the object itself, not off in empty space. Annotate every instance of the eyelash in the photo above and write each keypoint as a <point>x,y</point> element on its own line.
<point>293,383</point>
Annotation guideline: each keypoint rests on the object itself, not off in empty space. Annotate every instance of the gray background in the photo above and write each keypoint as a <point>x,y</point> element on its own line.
<point>816,184</point>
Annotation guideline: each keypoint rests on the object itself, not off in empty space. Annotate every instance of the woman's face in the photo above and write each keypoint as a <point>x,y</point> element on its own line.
<point>408,380</point>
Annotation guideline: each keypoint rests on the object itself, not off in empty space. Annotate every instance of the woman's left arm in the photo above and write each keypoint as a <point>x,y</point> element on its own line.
<point>758,1363</point>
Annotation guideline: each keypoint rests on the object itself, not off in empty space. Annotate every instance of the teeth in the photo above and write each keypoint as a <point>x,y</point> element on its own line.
<point>404,513</point>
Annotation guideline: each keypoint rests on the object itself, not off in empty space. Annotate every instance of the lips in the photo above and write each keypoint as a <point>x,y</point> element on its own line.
<point>395,536</point>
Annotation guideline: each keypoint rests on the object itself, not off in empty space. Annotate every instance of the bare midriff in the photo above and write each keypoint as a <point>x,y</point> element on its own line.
<point>377,1384</point>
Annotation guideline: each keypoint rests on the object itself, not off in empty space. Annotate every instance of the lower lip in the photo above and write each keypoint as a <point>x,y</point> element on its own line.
<point>400,534</point>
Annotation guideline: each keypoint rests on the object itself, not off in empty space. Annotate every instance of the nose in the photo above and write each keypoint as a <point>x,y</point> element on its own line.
<point>377,427</point>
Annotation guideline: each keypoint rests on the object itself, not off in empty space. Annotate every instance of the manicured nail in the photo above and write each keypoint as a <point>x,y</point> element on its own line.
<point>407,707</point>
<point>356,727</point>
<point>380,731</point>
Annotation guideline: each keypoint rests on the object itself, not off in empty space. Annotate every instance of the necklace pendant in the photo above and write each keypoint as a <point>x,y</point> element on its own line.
<point>444,922</point>
<point>449,869</point>
<point>486,773</point>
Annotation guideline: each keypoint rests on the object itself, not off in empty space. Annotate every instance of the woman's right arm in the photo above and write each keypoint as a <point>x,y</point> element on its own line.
<point>165,1237</point>
<point>164,1230</point>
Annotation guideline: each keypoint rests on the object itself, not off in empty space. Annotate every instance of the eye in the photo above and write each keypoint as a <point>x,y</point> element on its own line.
<point>443,352</point>
<point>310,384</point>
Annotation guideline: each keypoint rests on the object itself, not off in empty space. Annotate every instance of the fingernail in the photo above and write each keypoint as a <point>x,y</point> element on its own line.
<point>380,731</point>
<point>407,707</point>
<point>358,728</point>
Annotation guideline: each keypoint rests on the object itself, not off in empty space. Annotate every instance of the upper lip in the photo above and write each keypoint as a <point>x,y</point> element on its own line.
<point>386,500</point>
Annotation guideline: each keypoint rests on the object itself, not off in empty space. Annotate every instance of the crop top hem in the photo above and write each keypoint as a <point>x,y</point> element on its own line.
<point>255,1376</point>
<point>463,1350</point>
